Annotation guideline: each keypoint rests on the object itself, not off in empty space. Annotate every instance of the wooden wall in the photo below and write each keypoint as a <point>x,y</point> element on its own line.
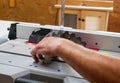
<point>114,18</point>
<point>114,22</point>
<point>117,6</point>
<point>40,11</point>
<point>44,12</point>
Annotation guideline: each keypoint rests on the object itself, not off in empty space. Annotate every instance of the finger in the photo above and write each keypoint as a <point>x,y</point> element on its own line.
<point>44,51</point>
<point>40,56</point>
<point>33,52</point>
<point>35,58</point>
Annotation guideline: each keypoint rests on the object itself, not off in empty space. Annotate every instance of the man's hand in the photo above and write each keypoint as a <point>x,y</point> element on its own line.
<point>91,64</point>
<point>48,46</point>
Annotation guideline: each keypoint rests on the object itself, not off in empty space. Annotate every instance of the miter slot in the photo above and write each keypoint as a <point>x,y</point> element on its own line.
<point>15,53</point>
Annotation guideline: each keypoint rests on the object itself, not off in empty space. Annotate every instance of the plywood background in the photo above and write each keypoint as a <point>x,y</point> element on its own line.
<point>44,12</point>
<point>114,22</point>
<point>114,18</point>
<point>117,6</point>
<point>40,11</point>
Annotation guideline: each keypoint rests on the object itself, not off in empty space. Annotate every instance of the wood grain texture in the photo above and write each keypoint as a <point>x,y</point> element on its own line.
<point>43,12</point>
<point>117,6</point>
<point>40,11</point>
<point>114,18</point>
<point>114,22</point>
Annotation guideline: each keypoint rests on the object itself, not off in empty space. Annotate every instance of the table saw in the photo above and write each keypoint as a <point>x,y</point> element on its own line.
<point>17,65</point>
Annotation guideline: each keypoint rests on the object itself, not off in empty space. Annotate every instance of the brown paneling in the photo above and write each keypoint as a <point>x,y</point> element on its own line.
<point>117,6</point>
<point>114,22</point>
<point>114,18</point>
<point>40,11</point>
<point>43,12</point>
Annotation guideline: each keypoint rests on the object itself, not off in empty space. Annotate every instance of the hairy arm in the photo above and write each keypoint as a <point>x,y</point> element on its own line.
<point>95,67</point>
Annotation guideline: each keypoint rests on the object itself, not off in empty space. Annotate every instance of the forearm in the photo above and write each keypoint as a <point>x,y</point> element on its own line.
<point>95,67</point>
<point>92,65</point>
